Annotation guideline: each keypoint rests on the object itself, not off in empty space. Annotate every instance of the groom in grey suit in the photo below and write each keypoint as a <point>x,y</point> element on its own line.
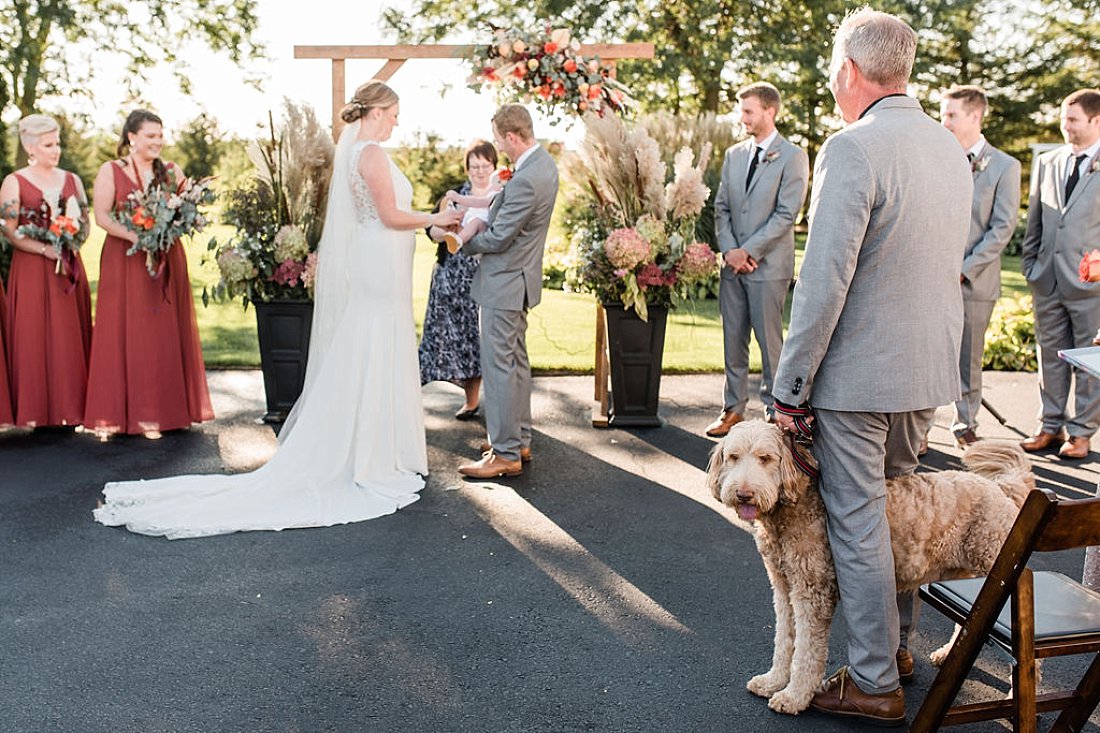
<point>874,335</point>
<point>508,284</point>
<point>993,214</point>
<point>761,192</point>
<point>1063,223</point>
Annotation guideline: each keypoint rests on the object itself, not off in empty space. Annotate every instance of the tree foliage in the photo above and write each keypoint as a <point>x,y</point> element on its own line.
<point>200,145</point>
<point>1027,54</point>
<point>53,47</point>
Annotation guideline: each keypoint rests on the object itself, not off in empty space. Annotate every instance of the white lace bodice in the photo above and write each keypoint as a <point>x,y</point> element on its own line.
<point>365,210</point>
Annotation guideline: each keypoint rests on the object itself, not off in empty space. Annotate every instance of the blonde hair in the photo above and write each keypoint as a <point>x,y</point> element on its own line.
<point>516,119</point>
<point>368,96</point>
<point>32,127</point>
<point>883,46</point>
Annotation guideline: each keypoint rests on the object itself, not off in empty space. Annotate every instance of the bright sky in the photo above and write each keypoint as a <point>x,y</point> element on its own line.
<point>219,86</point>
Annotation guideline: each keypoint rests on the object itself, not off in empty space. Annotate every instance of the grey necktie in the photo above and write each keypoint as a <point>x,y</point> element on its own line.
<point>752,164</point>
<point>1074,176</point>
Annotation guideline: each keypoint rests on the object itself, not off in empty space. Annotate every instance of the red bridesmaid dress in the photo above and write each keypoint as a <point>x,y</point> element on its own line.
<point>146,371</point>
<point>49,329</point>
<point>6,417</point>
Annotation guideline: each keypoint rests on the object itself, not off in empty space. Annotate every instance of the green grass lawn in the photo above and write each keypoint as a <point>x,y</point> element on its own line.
<point>560,336</point>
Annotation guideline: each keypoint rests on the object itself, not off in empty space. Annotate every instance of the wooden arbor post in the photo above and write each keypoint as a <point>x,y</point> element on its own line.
<point>395,57</point>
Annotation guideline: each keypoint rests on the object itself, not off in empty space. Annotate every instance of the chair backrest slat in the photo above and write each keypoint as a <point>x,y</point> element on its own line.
<point>1070,524</point>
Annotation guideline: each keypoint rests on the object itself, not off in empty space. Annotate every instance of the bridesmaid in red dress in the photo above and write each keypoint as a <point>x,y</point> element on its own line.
<point>6,417</point>
<point>49,319</point>
<point>146,371</point>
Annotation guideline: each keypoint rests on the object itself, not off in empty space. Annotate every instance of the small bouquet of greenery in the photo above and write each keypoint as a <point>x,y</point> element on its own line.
<point>64,226</point>
<point>161,215</point>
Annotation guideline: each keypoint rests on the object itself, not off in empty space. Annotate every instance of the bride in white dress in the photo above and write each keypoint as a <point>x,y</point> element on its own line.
<point>353,447</point>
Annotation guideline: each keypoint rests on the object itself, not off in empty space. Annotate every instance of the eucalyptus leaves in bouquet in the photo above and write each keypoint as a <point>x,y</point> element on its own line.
<point>632,224</point>
<point>278,214</point>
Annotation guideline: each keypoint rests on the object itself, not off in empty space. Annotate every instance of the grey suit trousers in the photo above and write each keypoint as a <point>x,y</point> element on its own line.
<point>1066,324</point>
<point>976,315</point>
<point>754,307</point>
<point>855,452</point>
<point>506,372</point>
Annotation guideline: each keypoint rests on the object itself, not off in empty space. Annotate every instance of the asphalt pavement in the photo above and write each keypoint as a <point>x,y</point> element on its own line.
<point>604,590</point>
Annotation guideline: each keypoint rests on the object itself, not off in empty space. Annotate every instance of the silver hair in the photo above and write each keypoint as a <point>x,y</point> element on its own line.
<point>883,46</point>
<point>33,127</point>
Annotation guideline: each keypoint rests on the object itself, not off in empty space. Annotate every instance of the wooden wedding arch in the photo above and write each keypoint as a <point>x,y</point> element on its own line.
<point>395,57</point>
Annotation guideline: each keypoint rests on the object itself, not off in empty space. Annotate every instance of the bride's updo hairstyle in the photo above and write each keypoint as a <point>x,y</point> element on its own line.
<point>133,123</point>
<point>373,94</point>
<point>32,127</point>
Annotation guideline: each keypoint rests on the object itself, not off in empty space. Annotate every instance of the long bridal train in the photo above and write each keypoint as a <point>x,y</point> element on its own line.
<point>353,448</point>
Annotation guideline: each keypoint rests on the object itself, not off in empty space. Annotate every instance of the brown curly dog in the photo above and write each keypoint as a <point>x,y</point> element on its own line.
<point>948,524</point>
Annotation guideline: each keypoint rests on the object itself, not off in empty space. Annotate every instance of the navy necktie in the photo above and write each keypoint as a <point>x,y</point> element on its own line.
<point>752,164</point>
<point>1074,176</point>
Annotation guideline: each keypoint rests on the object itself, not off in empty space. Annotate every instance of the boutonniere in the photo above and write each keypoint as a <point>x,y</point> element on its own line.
<point>504,175</point>
<point>980,164</point>
<point>771,155</point>
<point>1095,165</point>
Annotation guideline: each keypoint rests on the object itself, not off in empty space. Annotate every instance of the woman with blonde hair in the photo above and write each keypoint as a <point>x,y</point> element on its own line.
<point>146,373</point>
<point>353,447</point>
<point>49,318</point>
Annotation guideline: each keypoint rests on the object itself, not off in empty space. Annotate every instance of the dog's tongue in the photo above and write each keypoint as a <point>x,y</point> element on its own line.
<point>746,512</point>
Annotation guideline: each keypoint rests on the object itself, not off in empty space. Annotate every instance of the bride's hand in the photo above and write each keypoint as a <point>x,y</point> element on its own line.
<point>445,218</point>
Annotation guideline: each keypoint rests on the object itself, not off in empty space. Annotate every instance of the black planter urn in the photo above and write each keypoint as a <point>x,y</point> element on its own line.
<point>283,328</point>
<point>635,348</point>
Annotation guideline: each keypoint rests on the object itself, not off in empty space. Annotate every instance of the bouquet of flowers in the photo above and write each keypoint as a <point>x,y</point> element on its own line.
<point>633,234</point>
<point>277,214</point>
<point>63,226</point>
<point>547,67</point>
<point>160,215</point>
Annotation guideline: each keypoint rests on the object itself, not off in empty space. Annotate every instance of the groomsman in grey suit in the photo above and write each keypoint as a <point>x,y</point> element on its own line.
<point>761,192</point>
<point>993,214</point>
<point>874,335</point>
<point>508,284</point>
<point>1063,222</point>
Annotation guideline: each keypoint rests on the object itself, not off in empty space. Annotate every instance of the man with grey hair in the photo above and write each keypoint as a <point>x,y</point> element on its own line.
<point>874,335</point>
<point>761,191</point>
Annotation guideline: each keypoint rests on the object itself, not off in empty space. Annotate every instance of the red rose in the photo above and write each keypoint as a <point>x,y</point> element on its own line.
<point>504,175</point>
<point>1089,268</point>
<point>550,47</point>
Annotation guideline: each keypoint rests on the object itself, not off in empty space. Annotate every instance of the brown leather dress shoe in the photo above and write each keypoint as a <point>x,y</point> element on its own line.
<point>840,696</point>
<point>722,425</point>
<point>1075,448</point>
<point>491,466</point>
<point>905,665</point>
<point>966,438</point>
<point>524,452</point>
<point>1042,440</point>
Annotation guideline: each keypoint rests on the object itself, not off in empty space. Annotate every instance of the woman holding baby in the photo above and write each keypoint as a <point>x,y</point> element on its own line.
<point>449,348</point>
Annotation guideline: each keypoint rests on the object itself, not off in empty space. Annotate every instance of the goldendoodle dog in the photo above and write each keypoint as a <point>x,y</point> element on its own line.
<point>944,525</point>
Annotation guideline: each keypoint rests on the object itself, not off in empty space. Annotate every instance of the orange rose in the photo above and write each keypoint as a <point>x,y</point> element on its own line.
<point>550,47</point>
<point>520,71</point>
<point>504,175</point>
<point>138,217</point>
<point>582,105</point>
<point>559,90</point>
<point>570,66</point>
<point>1089,268</point>
<point>594,91</point>
<point>55,228</point>
<point>544,91</point>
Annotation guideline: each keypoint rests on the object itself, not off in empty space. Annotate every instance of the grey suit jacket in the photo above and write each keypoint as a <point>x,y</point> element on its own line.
<point>510,275</point>
<point>1060,232</point>
<point>993,215</point>
<point>761,219</point>
<point>876,319</point>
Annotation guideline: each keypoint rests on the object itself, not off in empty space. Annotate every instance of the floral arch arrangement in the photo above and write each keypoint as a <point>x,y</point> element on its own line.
<point>548,69</point>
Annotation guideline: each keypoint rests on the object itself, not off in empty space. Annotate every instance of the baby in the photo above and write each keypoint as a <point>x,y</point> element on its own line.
<point>476,217</point>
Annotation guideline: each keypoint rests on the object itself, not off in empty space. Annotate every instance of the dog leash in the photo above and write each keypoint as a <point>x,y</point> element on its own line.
<point>803,434</point>
<point>803,465</point>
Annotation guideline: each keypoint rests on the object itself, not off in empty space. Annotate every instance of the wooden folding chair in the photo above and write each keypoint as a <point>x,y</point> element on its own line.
<point>1049,615</point>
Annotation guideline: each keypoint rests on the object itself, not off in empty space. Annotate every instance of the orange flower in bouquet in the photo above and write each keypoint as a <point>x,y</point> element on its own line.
<point>1089,269</point>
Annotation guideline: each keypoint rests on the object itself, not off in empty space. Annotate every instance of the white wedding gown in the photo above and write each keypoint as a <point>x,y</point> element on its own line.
<point>353,447</point>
